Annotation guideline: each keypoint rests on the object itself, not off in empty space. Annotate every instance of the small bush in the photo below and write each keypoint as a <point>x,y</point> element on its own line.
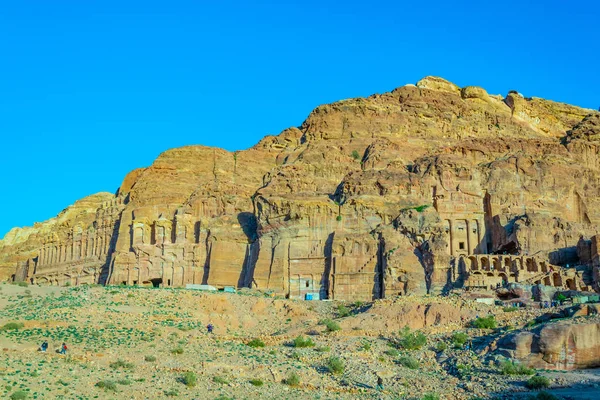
<point>366,346</point>
<point>512,368</point>
<point>9,326</point>
<point>256,382</point>
<point>221,380</point>
<point>561,297</point>
<point>464,370</point>
<point>338,218</point>
<point>124,382</point>
<point>355,154</point>
<point>459,339</point>
<point>408,362</point>
<point>323,349</point>
<point>332,326</point>
<point>177,350</point>
<point>335,365</point>
<point>430,396</point>
<point>485,322</point>
<point>150,358</point>
<point>22,284</point>
<point>189,379</point>
<point>292,380</point>
<point>122,364</point>
<point>392,352</point>
<point>303,342</point>
<point>172,393</point>
<point>411,340</point>
<point>537,382</point>
<point>20,395</point>
<point>441,346</point>
<point>342,311</point>
<point>255,343</point>
<point>107,385</point>
<point>510,309</point>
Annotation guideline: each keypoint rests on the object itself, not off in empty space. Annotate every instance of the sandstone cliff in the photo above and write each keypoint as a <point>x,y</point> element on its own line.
<point>403,192</point>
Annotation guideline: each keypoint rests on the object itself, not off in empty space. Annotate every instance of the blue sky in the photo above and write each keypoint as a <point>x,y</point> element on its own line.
<point>90,90</point>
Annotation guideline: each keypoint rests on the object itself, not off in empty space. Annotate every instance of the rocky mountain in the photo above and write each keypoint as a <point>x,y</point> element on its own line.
<point>369,197</point>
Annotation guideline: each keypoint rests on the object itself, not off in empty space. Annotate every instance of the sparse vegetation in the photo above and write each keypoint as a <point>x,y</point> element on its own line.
<point>220,379</point>
<point>511,368</point>
<point>488,322</point>
<point>12,326</point>
<point>303,342</point>
<point>292,380</point>
<point>510,309</point>
<point>122,364</point>
<point>255,343</point>
<point>150,358</point>
<point>256,382</point>
<point>459,339</point>
<point>537,382</point>
<point>392,352</point>
<point>177,350</point>
<point>189,379</point>
<point>342,311</point>
<point>408,362</point>
<point>331,326</point>
<point>441,346</point>
<point>335,365</point>
<point>411,340</point>
<point>19,395</point>
<point>107,385</point>
<point>355,154</point>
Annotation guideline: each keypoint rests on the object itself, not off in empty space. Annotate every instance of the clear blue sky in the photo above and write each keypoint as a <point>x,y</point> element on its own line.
<point>90,90</point>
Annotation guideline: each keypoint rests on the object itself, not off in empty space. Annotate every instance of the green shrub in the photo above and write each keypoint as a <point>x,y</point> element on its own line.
<point>9,326</point>
<point>366,346</point>
<point>172,393</point>
<point>177,350</point>
<point>338,218</point>
<point>323,349</point>
<point>441,346</point>
<point>292,380</point>
<point>512,368</point>
<point>122,364</point>
<point>561,297</point>
<point>392,352</point>
<point>256,382</point>
<point>124,382</point>
<point>537,382</point>
<point>256,343</point>
<point>22,284</point>
<point>303,342</point>
<point>20,395</point>
<point>459,339</point>
<point>332,326</point>
<point>488,322</point>
<point>510,309</point>
<point>150,358</point>
<point>342,311</point>
<point>430,396</point>
<point>221,380</point>
<point>464,370</point>
<point>189,379</point>
<point>411,340</point>
<point>107,385</point>
<point>408,362</point>
<point>355,154</point>
<point>335,365</point>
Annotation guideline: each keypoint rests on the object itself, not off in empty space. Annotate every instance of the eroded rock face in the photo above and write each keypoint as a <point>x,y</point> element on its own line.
<point>562,345</point>
<point>392,194</point>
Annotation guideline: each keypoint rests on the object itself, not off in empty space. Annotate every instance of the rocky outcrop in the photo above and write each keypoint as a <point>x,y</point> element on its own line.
<point>561,345</point>
<point>369,197</point>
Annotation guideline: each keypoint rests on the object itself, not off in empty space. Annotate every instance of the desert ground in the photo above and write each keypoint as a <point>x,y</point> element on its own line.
<point>145,343</point>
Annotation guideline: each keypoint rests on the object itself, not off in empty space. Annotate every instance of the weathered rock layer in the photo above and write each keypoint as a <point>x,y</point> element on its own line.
<point>404,192</point>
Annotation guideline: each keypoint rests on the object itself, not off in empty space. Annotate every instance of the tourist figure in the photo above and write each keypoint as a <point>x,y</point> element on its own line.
<point>379,383</point>
<point>209,328</point>
<point>63,349</point>
<point>44,346</point>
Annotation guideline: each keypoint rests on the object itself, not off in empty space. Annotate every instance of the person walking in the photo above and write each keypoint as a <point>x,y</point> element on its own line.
<point>63,349</point>
<point>44,346</point>
<point>379,383</point>
<point>209,328</point>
